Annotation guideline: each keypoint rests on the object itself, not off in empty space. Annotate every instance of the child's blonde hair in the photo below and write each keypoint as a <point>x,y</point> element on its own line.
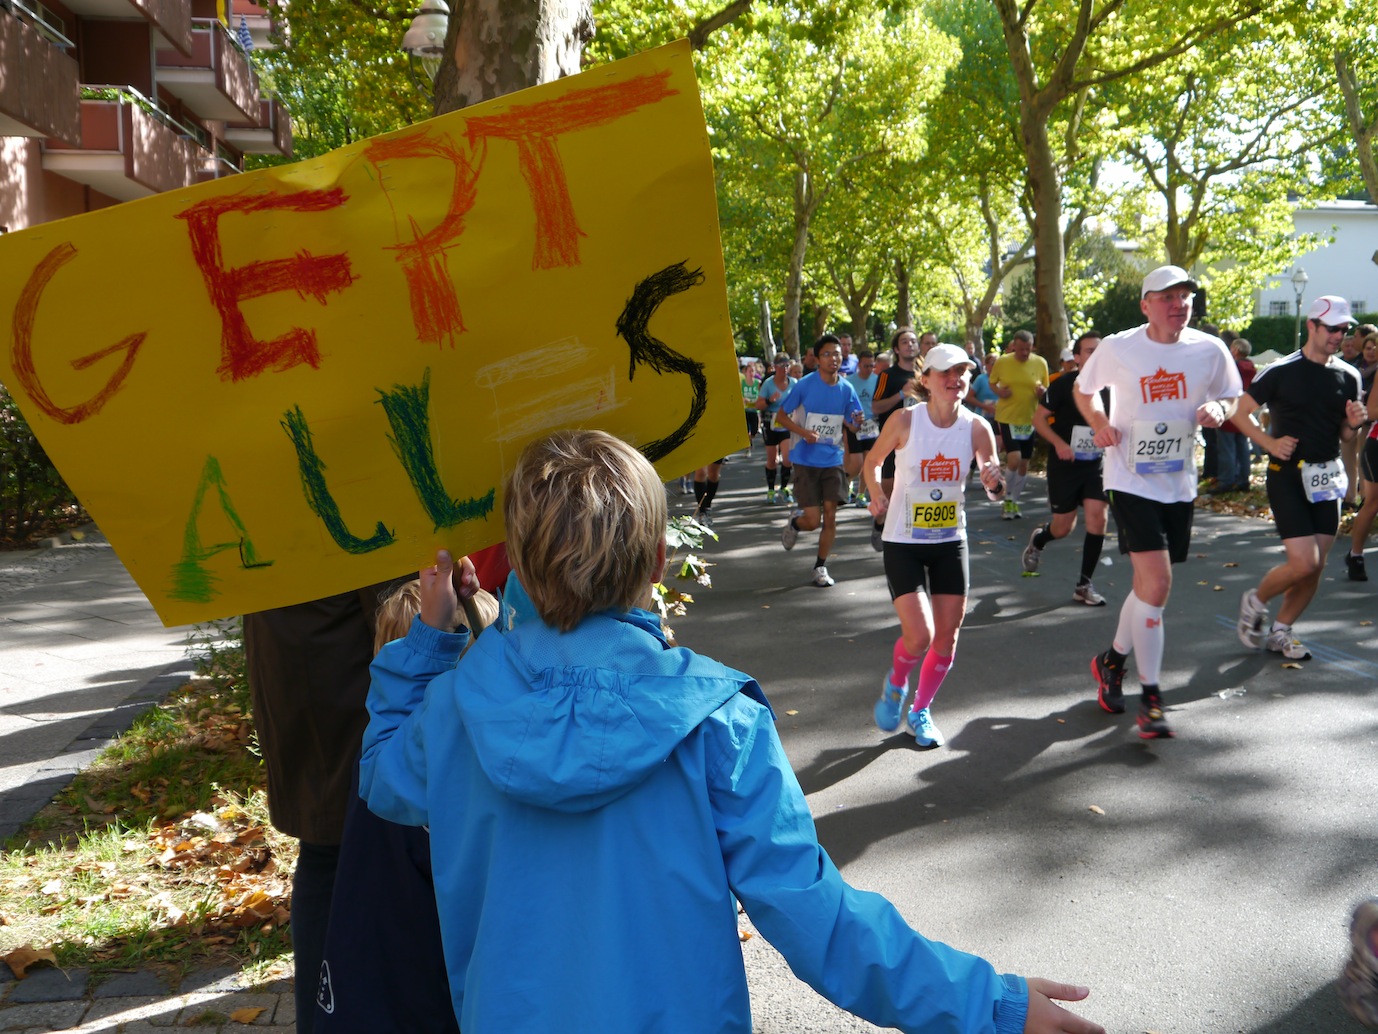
<point>585,517</point>
<point>404,603</point>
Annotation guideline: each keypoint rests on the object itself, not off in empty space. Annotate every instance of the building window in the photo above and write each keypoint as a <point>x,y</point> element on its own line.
<point>1278,309</point>
<point>1359,305</point>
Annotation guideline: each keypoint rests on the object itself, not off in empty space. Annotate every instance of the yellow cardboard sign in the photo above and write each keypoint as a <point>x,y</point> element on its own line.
<point>282,385</point>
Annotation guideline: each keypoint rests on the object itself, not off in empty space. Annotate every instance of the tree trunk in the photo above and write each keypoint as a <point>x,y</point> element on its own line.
<point>902,314</point>
<point>794,280</point>
<point>1363,131</point>
<point>496,47</point>
<point>975,329</point>
<point>767,338</point>
<point>1050,313</point>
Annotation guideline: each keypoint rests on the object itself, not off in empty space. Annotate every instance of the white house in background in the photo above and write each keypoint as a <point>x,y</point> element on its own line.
<point>1345,267</point>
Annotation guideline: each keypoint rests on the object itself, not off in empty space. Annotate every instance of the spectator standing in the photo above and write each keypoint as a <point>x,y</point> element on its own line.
<point>1233,452</point>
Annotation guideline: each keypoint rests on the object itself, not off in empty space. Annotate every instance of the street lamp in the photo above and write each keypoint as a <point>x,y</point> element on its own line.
<point>424,42</point>
<point>1299,280</point>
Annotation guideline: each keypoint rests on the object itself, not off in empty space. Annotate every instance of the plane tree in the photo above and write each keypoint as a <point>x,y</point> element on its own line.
<point>1063,54</point>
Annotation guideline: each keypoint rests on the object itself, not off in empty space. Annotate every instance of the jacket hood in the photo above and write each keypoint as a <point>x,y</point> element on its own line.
<point>571,721</point>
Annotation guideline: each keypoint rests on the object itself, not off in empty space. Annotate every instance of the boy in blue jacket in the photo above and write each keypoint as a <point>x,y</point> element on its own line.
<point>597,798</point>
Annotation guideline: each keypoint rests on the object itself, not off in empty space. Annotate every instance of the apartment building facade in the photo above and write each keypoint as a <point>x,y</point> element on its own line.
<point>103,101</point>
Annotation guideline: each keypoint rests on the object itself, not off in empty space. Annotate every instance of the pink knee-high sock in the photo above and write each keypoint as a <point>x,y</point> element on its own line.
<point>931,675</point>
<point>901,664</point>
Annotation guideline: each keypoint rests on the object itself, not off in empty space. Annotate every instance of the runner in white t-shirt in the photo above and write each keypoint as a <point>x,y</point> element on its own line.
<point>1165,380</point>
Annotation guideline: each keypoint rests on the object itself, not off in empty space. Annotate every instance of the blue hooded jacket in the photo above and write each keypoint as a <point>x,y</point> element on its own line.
<point>596,799</point>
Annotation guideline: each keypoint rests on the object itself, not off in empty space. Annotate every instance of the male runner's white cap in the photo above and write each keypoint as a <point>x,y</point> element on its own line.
<point>1331,309</point>
<point>1165,277</point>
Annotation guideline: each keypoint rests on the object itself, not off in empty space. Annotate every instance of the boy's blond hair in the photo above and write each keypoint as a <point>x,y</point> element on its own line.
<point>404,602</point>
<point>585,517</point>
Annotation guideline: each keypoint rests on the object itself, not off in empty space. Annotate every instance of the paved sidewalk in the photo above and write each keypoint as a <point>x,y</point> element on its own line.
<point>82,653</point>
<point>142,1002</point>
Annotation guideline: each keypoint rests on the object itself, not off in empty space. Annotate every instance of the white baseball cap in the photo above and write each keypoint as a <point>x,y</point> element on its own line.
<point>945,357</point>
<point>1331,309</point>
<point>1165,277</point>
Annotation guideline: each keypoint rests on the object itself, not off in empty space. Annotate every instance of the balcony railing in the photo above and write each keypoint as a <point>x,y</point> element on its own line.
<point>216,80</point>
<point>130,147</point>
<point>38,80</point>
<point>271,134</point>
<point>169,19</point>
<point>41,20</point>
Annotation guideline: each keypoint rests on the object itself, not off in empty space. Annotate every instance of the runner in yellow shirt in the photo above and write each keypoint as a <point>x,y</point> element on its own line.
<point>1018,377</point>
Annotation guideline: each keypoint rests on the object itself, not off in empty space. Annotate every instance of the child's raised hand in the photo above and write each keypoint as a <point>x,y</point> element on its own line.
<point>1045,1016</point>
<point>439,595</point>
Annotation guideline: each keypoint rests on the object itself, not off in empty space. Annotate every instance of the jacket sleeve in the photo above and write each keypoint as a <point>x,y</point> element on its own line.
<point>392,766</point>
<point>853,947</point>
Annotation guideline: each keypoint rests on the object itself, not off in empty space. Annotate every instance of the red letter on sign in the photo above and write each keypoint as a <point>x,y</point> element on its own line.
<point>241,355</point>
<point>536,127</point>
<point>434,307</point>
<point>24,315</point>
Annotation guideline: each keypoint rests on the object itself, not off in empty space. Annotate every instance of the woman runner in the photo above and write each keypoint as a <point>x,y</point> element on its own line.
<point>925,538</point>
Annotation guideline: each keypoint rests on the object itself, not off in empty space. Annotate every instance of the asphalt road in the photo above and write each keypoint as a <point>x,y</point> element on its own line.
<point>1211,888</point>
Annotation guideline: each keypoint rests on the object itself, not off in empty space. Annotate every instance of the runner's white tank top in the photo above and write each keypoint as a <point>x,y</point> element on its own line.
<point>929,501</point>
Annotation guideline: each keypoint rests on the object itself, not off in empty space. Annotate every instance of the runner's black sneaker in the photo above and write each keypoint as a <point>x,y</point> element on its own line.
<point>1356,567</point>
<point>1152,724</point>
<point>1109,682</point>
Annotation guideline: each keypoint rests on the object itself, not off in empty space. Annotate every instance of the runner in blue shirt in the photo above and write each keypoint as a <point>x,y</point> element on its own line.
<point>816,411</point>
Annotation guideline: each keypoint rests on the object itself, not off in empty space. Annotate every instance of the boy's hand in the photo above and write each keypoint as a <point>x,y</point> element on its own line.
<point>442,587</point>
<point>1046,1017</point>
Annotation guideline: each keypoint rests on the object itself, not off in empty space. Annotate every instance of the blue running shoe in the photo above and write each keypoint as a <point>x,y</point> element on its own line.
<point>888,706</point>
<point>920,725</point>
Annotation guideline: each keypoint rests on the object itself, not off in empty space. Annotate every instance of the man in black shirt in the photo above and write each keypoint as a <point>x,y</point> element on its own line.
<point>1313,398</point>
<point>889,399</point>
<point>1074,474</point>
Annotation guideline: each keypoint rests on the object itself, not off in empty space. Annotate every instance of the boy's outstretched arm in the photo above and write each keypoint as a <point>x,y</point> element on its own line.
<point>1047,1017</point>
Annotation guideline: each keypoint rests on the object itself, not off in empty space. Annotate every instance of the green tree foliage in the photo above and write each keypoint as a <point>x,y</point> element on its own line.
<point>34,500</point>
<point>338,68</point>
<point>821,97</point>
<point>1228,147</point>
<point>1063,53</point>
<point>1345,36</point>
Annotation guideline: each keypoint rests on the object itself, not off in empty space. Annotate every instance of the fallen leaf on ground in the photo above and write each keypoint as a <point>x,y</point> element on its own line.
<point>1097,809</point>
<point>1230,564</point>
<point>247,1015</point>
<point>791,712</point>
<point>21,959</point>
<point>1217,588</point>
<point>744,935</point>
<point>1289,664</point>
